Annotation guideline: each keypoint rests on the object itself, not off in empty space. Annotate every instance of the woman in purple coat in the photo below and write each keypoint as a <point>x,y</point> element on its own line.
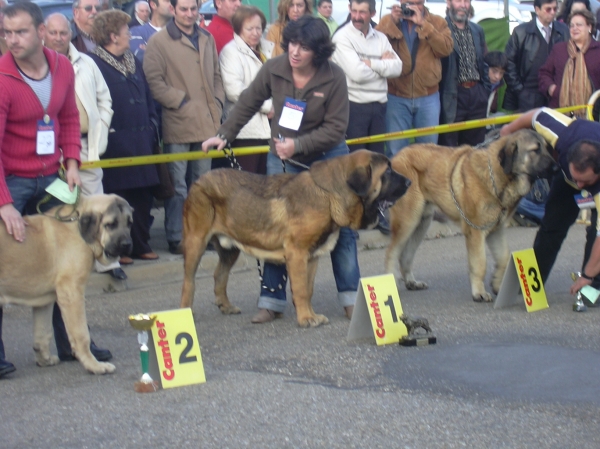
<point>572,71</point>
<point>133,130</point>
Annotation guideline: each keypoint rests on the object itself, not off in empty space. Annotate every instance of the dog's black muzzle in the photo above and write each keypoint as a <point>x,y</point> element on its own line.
<point>121,247</point>
<point>396,186</point>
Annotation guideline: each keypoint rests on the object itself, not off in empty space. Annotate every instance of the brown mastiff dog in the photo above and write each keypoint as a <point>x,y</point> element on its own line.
<point>478,188</point>
<point>54,263</point>
<point>286,219</point>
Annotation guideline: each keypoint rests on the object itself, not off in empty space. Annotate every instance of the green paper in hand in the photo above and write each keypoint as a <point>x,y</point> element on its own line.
<point>60,189</point>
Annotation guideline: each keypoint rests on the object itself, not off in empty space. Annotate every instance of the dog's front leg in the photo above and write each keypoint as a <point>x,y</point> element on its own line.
<point>42,334</point>
<point>475,240</point>
<point>497,243</point>
<point>301,272</point>
<point>71,301</point>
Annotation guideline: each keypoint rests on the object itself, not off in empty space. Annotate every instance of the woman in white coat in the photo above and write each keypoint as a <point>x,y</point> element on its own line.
<point>240,61</point>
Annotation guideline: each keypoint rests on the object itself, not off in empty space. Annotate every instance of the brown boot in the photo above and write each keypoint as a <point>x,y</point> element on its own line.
<point>265,316</point>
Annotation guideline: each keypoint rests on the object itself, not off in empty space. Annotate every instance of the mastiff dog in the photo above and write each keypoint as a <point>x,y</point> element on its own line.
<point>285,218</point>
<point>478,188</point>
<point>54,263</point>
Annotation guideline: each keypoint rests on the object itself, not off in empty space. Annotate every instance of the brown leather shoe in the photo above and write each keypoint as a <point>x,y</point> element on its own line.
<point>265,316</point>
<point>349,310</point>
<point>148,256</point>
<point>125,260</point>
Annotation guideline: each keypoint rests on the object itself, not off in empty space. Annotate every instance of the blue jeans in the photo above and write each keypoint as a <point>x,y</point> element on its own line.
<point>411,113</point>
<point>344,258</point>
<point>183,175</point>
<point>26,193</point>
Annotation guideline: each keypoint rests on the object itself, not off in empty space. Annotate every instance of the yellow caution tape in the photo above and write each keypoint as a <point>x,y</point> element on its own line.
<point>409,133</point>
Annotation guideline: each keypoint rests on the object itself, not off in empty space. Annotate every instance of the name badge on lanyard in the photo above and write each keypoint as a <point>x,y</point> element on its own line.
<point>45,136</point>
<point>585,200</point>
<point>291,116</point>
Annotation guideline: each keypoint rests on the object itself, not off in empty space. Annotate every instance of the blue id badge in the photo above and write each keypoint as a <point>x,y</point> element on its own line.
<point>585,200</point>
<point>292,113</point>
<point>45,137</point>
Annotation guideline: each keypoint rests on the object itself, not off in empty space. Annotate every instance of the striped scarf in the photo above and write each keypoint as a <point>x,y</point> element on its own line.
<point>576,86</point>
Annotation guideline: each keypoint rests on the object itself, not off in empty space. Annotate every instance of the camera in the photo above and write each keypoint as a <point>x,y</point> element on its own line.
<point>406,11</point>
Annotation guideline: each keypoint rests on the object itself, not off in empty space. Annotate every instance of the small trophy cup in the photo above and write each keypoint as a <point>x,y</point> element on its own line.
<point>143,323</point>
<point>578,306</point>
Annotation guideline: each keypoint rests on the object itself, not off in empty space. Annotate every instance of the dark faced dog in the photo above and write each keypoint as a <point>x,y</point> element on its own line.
<point>285,219</point>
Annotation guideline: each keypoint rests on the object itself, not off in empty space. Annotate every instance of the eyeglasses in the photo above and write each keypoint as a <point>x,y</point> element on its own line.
<point>88,8</point>
<point>550,9</point>
<point>577,25</point>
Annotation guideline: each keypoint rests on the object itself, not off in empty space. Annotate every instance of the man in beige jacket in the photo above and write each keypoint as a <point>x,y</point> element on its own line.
<point>182,70</point>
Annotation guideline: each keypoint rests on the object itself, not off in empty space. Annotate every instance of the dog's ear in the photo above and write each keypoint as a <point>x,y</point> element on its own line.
<point>359,180</point>
<point>88,226</point>
<point>507,156</point>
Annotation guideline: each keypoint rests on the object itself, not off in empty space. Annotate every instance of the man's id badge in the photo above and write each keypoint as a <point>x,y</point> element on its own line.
<point>45,137</point>
<point>585,200</point>
<point>291,116</point>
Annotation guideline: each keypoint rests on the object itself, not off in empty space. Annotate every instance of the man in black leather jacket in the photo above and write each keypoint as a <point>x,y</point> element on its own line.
<point>527,50</point>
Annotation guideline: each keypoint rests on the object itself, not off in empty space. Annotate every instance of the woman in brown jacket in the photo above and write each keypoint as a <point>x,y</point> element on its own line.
<point>304,78</point>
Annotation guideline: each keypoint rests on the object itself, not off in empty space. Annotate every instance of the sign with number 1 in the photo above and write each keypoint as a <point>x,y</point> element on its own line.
<point>377,311</point>
<point>177,349</point>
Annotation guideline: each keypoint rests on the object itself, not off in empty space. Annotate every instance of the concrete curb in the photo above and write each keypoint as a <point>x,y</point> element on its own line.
<point>169,268</point>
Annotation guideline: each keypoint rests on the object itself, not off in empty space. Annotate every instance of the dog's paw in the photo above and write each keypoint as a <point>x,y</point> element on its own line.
<point>483,297</point>
<point>101,368</point>
<point>229,310</point>
<point>416,285</point>
<point>50,361</point>
<point>313,321</point>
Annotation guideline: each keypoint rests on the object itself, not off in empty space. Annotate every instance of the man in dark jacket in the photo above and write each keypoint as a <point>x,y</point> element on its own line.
<point>465,85</point>
<point>84,13</point>
<point>527,50</point>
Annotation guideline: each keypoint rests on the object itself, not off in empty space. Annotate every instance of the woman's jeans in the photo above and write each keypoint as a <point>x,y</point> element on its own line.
<point>344,257</point>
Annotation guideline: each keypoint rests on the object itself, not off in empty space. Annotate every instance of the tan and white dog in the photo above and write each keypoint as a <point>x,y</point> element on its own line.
<point>54,263</point>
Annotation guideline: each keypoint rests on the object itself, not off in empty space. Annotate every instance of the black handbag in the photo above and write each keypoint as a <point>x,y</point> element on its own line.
<point>164,189</point>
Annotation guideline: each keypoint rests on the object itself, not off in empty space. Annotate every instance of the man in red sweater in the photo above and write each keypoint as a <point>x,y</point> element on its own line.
<point>37,96</point>
<point>220,26</point>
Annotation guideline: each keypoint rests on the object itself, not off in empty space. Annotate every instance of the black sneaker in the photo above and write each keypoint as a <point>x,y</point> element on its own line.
<point>383,225</point>
<point>118,274</point>
<point>175,248</point>
<point>102,355</point>
<point>6,368</point>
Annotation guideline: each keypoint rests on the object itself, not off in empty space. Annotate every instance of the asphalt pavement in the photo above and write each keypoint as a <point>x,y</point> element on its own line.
<point>495,379</point>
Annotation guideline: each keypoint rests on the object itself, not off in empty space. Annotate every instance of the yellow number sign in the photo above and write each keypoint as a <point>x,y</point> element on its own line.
<point>532,286</point>
<point>177,349</point>
<point>378,299</point>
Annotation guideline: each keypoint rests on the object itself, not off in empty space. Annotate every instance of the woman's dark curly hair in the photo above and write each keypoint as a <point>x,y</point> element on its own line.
<point>310,32</point>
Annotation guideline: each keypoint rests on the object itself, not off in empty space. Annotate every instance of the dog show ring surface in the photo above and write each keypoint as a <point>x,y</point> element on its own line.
<point>175,358</point>
<point>522,274</point>
<point>377,311</point>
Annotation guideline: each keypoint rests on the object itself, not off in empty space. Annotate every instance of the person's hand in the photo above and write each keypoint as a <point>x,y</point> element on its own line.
<point>367,62</point>
<point>417,17</point>
<point>504,131</point>
<point>271,113</point>
<point>388,55</point>
<point>213,142</point>
<point>551,89</point>
<point>396,13</point>
<point>72,174</point>
<point>15,225</point>
<point>284,148</point>
<point>579,284</point>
